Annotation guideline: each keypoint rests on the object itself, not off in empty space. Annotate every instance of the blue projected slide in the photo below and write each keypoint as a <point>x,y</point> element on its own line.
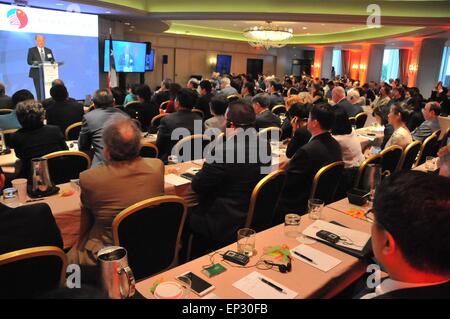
<point>72,37</point>
<point>150,62</point>
<point>129,56</point>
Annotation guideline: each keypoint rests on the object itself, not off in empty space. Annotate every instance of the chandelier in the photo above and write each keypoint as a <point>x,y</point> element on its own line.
<point>268,36</point>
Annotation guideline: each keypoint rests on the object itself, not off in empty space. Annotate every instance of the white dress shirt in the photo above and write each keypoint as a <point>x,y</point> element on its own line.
<point>351,149</point>
<point>401,137</point>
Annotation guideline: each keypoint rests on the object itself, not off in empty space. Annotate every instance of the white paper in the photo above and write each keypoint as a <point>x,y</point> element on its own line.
<point>355,239</point>
<point>193,170</point>
<point>176,180</point>
<point>211,296</point>
<point>254,287</point>
<point>321,260</point>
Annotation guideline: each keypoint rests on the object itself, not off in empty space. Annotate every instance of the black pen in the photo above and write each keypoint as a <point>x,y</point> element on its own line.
<point>304,257</point>
<point>272,285</point>
<point>34,200</point>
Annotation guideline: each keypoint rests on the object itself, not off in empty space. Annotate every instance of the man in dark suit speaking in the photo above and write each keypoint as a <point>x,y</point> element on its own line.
<point>36,55</point>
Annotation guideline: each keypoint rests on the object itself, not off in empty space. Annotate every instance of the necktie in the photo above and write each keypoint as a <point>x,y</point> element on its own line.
<point>42,54</point>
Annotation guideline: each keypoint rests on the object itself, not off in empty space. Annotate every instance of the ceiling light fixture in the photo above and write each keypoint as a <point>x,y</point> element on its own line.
<point>268,36</point>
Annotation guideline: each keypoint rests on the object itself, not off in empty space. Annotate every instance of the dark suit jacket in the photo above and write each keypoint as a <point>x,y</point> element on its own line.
<point>27,227</point>
<point>276,99</point>
<point>6,102</point>
<point>35,56</point>
<point>307,161</point>
<point>143,112</point>
<point>92,129</point>
<point>29,144</point>
<point>50,101</point>
<point>160,98</point>
<point>267,119</point>
<point>203,104</point>
<point>351,109</point>
<point>301,137</point>
<point>64,114</point>
<point>224,191</point>
<point>180,119</point>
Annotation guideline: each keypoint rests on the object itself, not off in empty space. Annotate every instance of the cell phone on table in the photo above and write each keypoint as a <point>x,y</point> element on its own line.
<point>198,285</point>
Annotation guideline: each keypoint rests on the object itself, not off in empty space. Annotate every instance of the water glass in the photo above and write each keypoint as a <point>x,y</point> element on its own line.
<point>315,207</point>
<point>21,186</point>
<point>246,241</point>
<point>291,225</point>
<point>10,195</point>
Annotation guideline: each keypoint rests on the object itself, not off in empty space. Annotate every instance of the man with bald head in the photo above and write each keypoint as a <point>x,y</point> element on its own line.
<point>37,55</point>
<point>123,180</point>
<point>339,97</point>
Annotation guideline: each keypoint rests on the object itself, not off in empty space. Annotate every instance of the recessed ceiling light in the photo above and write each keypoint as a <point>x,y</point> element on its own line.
<point>322,24</point>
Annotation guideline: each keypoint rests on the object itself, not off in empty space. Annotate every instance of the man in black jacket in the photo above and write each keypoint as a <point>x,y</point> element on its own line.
<point>410,237</point>
<point>264,117</point>
<point>204,99</point>
<point>339,97</point>
<point>321,150</point>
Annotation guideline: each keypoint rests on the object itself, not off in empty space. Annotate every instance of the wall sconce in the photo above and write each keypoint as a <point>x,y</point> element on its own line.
<point>413,67</point>
<point>355,66</point>
<point>363,66</point>
<point>316,65</point>
<point>213,61</point>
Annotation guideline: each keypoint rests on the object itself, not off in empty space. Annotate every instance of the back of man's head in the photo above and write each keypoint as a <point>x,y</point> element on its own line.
<point>58,82</point>
<point>166,84</point>
<point>414,208</point>
<point>324,114</point>
<point>122,138</point>
<point>206,85</point>
<point>187,98</point>
<point>241,115</point>
<point>20,96</point>
<point>263,99</point>
<point>59,93</point>
<point>103,98</point>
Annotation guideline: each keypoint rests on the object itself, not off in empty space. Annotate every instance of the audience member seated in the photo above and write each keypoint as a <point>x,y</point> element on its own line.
<point>382,101</point>
<point>193,84</point>
<point>408,237</point>
<point>34,139</point>
<point>439,93</point>
<point>182,118</point>
<point>174,89</point>
<point>225,185</point>
<point>91,131</point>
<point>316,93</point>
<point>444,161</point>
<point>226,88</point>
<point>103,194</point>
<point>341,102</point>
<point>119,97</point>
<point>398,117</point>
<point>163,94</point>
<point>382,120</point>
<point>264,117</point>
<point>63,112</point>
<point>248,92</point>
<point>145,110</point>
<point>205,97</point>
<point>131,96</point>
<point>356,99</point>
<point>5,100</point>
<point>10,121</point>
<point>50,101</point>
<point>322,150</point>
<point>219,105</point>
<point>286,126</point>
<point>27,226</point>
<point>431,112</point>
<point>276,98</point>
<point>299,124</point>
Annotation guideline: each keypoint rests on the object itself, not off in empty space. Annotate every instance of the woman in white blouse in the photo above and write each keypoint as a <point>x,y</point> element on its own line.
<point>398,118</point>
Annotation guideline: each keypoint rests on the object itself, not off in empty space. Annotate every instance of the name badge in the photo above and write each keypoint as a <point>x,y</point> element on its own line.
<point>49,55</point>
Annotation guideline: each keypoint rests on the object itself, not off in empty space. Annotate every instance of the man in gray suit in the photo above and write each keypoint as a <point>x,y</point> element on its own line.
<point>92,129</point>
<point>226,88</point>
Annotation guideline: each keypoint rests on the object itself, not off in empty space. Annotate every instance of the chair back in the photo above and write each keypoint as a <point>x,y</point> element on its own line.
<point>374,159</point>
<point>326,182</point>
<point>409,156</point>
<point>360,120</point>
<point>5,111</point>
<point>32,272</point>
<point>390,158</point>
<point>271,133</point>
<point>149,150</point>
<point>67,165</point>
<point>191,147</point>
<point>151,231</point>
<point>279,109</point>
<point>164,105</point>
<point>132,103</point>
<point>263,201</point>
<point>445,138</point>
<point>199,112</point>
<point>429,148</point>
<point>157,120</point>
<point>73,131</point>
<point>352,120</point>
<point>234,97</point>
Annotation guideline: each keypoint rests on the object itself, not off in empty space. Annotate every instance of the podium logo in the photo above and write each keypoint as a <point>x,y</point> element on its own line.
<point>17,18</point>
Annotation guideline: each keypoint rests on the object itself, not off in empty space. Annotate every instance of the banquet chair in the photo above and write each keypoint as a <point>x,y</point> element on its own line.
<point>65,166</point>
<point>151,231</point>
<point>199,112</point>
<point>233,97</point>
<point>5,111</point>
<point>164,105</point>
<point>445,138</point>
<point>73,131</point>
<point>326,182</point>
<point>390,158</point>
<point>374,159</point>
<point>190,144</point>
<point>409,156</point>
<point>429,148</point>
<point>132,103</point>
<point>149,150</point>
<point>263,201</point>
<point>360,120</point>
<point>32,272</point>
<point>270,133</point>
<point>279,109</point>
<point>154,124</point>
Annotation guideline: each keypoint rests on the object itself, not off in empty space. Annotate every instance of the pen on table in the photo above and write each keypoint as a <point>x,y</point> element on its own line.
<point>34,200</point>
<point>272,285</point>
<point>304,257</point>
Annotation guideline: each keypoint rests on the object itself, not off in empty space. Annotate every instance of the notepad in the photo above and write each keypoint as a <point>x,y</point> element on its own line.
<point>321,260</point>
<point>176,180</point>
<point>253,286</point>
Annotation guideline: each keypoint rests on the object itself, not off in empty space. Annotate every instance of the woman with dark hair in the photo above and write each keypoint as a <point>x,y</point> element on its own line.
<point>439,94</point>
<point>301,135</point>
<point>131,96</point>
<point>316,92</point>
<point>382,120</point>
<point>34,139</point>
<point>398,117</point>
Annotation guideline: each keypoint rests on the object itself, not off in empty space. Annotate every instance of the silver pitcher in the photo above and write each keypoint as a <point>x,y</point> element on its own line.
<point>117,278</point>
<point>41,177</point>
<point>372,178</point>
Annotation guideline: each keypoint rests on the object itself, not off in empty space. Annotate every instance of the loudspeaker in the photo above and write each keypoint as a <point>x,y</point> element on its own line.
<point>165,59</point>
